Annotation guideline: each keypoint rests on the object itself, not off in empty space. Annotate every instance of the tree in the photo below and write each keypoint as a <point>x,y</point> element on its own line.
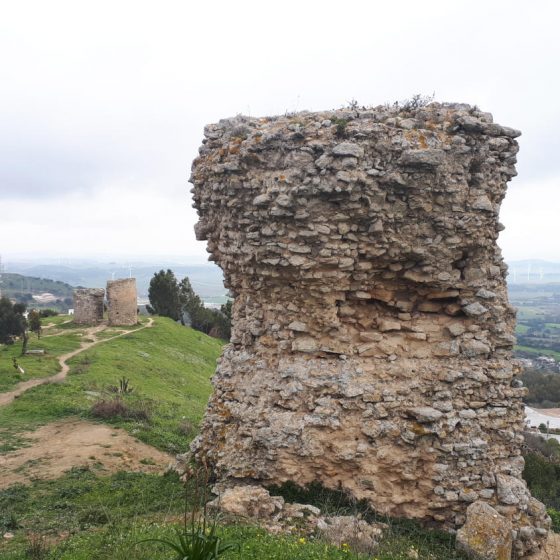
<point>164,295</point>
<point>13,323</point>
<point>190,302</point>
<point>34,320</point>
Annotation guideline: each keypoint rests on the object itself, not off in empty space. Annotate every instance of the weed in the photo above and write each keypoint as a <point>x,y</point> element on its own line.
<point>123,388</point>
<point>198,539</point>
<point>417,101</point>
<point>9,521</point>
<point>37,547</point>
<point>93,516</point>
<point>341,124</point>
<point>186,428</point>
<point>555,517</point>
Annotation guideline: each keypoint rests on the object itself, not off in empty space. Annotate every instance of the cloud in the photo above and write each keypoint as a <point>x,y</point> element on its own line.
<point>530,213</point>
<point>129,221</point>
<point>116,94</point>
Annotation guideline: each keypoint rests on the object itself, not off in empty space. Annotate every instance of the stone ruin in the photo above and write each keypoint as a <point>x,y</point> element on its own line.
<point>122,301</point>
<point>88,306</point>
<point>372,335</point>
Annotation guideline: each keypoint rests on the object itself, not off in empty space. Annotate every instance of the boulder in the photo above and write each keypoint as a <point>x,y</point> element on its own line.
<point>486,535</point>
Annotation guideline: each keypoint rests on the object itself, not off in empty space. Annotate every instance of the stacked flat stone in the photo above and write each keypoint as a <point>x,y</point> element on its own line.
<point>88,305</point>
<point>123,302</point>
<point>372,336</point>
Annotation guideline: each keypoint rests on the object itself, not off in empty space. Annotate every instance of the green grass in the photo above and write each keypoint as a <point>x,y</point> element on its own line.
<point>35,366</point>
<point>104,517</point>
<point>87,515</point>
<point>168,366</point>
<point>55,320</point>
<point>82,499</point>
<point>524,313</point>
<point>521,329</point>
<point>538,351</point>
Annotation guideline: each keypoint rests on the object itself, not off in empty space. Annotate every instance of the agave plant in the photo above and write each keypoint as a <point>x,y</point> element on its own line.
<point>196,545</point>
<point>197,540</point>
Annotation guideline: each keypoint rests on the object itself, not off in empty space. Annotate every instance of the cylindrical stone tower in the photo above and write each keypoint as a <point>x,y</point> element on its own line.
<point>122,301</point>
<point>88,305</point>
<point>372,336</point>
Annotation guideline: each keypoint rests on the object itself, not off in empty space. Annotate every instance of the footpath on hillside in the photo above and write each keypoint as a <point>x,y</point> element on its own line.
<point>56,447</point>
<point>91,332</point>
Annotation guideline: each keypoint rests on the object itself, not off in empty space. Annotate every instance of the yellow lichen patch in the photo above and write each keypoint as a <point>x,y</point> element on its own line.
<point>419,429</point>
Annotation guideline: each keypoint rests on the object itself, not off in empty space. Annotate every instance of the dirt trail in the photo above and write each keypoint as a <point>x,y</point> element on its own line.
<point>8,397</point>
<point>59,446</point>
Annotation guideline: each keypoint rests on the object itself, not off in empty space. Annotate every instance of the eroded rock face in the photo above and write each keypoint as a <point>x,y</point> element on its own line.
<point>372,337</point>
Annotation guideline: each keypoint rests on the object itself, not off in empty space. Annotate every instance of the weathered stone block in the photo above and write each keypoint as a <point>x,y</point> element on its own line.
<point>486,535</point>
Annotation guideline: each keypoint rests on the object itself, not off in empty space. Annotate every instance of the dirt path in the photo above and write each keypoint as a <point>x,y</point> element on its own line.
<point>8,397</point>
<point>59,446</point>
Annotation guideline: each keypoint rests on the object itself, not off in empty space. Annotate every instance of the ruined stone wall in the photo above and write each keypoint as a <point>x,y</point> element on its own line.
<point>372,337</point>
<point>88,305</point>
<point>122,301</point>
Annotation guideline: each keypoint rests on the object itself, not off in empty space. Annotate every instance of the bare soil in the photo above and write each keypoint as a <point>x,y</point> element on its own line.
<point>59,446</point>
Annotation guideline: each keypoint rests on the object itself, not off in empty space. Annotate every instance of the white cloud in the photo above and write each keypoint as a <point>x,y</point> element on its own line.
<point>531,214</point>
<point>128,221</point>
<point>106,95</point>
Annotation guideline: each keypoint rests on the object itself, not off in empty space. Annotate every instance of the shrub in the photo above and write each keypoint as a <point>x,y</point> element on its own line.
<point>555,516</point>
<point>123,388</point>
<point>37,547</point>
<point>48,313</point>
<point>110,409</point>
<point>186,428</point>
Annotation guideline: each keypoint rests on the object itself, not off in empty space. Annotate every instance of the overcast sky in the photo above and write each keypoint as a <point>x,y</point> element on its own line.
<point>102,104</point>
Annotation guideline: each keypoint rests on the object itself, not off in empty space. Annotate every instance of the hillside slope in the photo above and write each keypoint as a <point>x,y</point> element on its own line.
<point>168,368</point>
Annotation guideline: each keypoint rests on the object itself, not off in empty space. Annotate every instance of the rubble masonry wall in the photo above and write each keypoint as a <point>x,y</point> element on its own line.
<point>122,301</point>
<point>372,338</point>
<point>88,305</point>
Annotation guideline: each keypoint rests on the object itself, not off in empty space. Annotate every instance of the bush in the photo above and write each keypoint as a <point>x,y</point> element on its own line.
<point>555,516</point>
<point>110,409</point>
<point>37,547</point>
<point>48,313</point>
<point>542,475</point>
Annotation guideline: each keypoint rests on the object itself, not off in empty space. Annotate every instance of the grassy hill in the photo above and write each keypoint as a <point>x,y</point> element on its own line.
<point>23,288</point>
<point>90,514</point>
<point>168,368</point>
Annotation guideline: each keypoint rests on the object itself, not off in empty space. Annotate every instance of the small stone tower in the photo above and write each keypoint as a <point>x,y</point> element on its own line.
<point>122,299</point>
<point>88,305</point>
